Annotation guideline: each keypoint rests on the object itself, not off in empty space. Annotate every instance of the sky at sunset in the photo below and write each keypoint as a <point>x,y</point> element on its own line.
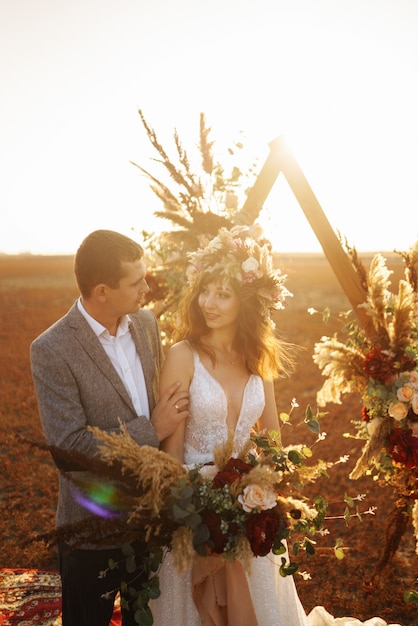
<point>336,78</point>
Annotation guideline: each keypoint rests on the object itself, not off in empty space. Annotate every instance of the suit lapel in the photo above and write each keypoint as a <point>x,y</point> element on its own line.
<point>95,350</point>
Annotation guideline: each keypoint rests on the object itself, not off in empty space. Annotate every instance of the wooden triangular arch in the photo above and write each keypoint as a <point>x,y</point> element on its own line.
<point>279,160</point>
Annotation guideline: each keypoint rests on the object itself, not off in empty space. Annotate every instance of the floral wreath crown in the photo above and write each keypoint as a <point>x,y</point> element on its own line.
<point>235,254</point>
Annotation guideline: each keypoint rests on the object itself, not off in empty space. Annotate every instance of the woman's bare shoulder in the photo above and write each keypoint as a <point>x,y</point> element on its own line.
<point>178,362</point>
<point>181,350</point>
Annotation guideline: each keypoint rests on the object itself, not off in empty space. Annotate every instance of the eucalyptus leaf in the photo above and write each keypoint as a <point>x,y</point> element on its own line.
<point>279,549</point>
<point>193,520</point>
<point>142,598</point>
<point>339,553</point>
<point>154,593</point>
<point>287,570</point>
<point>186,492</point>
<point>144,617</point>
<point>294,457</point>
<point>348,500</point>
<point>130,563</point>
<point>308,413</point>
<point>347,515</point>
<point>314,426</point>
<point>201,534</point>
<point>127,549</point>
<point>123,587</point>
<point>179,513</point>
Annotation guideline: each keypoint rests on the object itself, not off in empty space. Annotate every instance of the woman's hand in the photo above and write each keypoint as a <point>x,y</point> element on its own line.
<point>171,410</point>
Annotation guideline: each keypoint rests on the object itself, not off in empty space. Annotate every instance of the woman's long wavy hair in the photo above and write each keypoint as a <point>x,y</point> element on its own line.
<point>265,354</point>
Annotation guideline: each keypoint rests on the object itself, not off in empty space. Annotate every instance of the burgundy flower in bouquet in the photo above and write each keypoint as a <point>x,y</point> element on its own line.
<point>261,529</point>
<point>218,539</point>
<point>232,471</point>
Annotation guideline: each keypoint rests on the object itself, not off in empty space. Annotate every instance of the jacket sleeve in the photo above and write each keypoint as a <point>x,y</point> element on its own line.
<point>62,415</point>
<point>73,394</point>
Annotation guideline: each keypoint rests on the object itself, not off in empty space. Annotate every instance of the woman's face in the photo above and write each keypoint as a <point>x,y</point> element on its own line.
<point>220,305</point>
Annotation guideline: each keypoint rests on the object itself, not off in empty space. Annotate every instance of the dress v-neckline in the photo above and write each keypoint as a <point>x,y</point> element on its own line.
<point>224,393</point>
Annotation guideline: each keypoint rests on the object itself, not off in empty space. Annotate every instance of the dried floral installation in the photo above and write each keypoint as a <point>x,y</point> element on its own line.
<point>380,364</point>
<point>195,205</point>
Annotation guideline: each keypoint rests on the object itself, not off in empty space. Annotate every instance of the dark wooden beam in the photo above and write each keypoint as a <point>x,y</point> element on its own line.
<point>281,160</point>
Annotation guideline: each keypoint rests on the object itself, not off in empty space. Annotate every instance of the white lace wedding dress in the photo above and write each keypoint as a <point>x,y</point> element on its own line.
<point>275,599</point>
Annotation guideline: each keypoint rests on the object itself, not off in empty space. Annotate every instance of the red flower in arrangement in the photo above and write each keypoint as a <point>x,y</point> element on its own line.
<point>403,447</point>
<point>232,471</point>
<point>261,529</point>
<point>213,522</point>
<point>380,365</point>
<point>365,414</point>
<point>406,363</point>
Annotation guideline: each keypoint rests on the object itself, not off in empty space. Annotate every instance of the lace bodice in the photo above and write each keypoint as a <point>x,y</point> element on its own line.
<point>206,427</point>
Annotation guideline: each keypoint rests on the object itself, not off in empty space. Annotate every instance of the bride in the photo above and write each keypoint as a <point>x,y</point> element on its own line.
<point>227,357</point>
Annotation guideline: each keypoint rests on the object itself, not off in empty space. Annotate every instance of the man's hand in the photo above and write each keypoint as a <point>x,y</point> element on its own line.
<point>171,409</point>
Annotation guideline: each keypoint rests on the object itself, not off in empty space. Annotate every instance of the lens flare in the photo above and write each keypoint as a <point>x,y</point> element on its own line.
<point>104,499</point>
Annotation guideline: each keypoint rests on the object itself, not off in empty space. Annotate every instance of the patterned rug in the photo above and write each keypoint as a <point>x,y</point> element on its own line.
<point>29,597</point>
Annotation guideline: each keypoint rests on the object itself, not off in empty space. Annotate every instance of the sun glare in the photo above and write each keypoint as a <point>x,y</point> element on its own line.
<point>333,78</point>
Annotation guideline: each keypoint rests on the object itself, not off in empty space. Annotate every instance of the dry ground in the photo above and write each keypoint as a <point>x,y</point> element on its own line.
<point>35,291</point>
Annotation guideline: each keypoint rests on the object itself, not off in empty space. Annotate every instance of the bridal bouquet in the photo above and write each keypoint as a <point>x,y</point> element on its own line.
<point>241,506</point>
<point>380,363</point>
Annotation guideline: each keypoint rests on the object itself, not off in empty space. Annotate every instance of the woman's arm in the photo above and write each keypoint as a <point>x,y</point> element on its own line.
<point>269,419</point>
<point>178,366</point>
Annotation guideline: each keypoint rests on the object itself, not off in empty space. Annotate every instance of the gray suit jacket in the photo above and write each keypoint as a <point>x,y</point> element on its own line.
<point>77,386</point>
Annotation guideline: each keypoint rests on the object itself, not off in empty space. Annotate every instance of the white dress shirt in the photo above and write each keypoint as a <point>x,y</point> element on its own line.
<point>122,352</point>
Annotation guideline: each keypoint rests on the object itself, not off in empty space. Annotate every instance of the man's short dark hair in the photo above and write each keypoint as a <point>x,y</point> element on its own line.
<point>99,259</point>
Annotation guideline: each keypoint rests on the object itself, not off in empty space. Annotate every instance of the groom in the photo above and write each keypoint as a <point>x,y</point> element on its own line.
<point>97,366</point>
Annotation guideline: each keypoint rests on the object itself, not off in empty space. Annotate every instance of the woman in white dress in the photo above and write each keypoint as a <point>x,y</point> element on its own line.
<point>227,357</point>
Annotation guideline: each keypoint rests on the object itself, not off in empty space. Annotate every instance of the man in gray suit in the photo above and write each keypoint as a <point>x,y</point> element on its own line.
<point>97,366</point>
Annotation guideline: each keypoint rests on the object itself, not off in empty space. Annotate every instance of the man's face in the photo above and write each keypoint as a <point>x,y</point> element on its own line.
<point>128,297</point>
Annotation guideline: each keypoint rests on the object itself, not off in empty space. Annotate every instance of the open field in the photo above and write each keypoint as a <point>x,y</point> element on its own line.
<point>35,291</point>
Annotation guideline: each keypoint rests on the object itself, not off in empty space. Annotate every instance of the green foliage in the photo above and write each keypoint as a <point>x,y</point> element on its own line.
<point>339,550</point>
<point>411,596</point>
<point>312,419</point>
<point>182,505</point>
<point>289,569</point>
<point>140,593</point>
